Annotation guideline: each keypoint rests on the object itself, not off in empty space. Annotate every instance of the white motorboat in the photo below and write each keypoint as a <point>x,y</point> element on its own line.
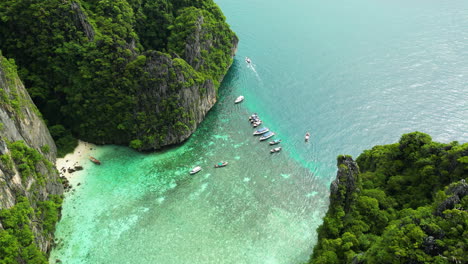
<point>239,99</point>
<point>247,59</point>
<point>276,141</point>
<point>261,131</point>
<point>195,170</point>
<point>275,150</point>
<point>253,117</point>
<point>307,136</point>
<point>267,136</point>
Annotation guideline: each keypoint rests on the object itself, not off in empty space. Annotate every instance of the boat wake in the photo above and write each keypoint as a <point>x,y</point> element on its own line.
<point>251,66</point>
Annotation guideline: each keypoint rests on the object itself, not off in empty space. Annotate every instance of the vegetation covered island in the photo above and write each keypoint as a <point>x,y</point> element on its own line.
<point>401,203</point>
<point>142,73</point>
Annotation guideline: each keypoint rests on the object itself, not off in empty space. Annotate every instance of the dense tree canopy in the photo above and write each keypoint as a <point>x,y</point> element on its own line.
<point>85,62</point>
<point>409,206</point>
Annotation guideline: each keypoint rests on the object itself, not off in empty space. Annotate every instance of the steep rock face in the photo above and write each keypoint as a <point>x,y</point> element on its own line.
<point>20,118</point>
<point>174,87</point>
<point>456,193</point>
<point>27,153</point>
<point>140,73</point>
<point>345,184</point>
<point>405,203</point>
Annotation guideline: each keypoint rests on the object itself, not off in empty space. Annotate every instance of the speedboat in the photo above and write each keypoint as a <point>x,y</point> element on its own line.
<point>257,123</point>
<point>307,136</point>
<point>252,117</point>
<point>267,136</point>
<point>239,99</point>
<point>278,149</point>
<point>247,59</point>
<point>221,164</point>
<point>195,170</point>
<point>274,142</point>
<point>262,130</point>
<point>255,120</point>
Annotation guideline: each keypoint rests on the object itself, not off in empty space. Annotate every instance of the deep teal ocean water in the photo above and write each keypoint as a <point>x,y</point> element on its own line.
<point>353,73</point>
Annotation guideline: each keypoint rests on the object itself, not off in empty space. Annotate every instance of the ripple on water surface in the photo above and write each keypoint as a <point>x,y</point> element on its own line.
<point>354,74</point>
<point>147,208</point>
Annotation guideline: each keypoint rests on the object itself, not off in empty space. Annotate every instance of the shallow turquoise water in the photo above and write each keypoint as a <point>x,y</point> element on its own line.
<point>353,73</point>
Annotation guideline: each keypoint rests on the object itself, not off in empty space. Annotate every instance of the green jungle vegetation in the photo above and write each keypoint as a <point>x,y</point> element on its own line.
<point>10,97</point>
<point>86,63</point>
<point>14,102</point>
<point>409,205</point>
<point>17,240</point>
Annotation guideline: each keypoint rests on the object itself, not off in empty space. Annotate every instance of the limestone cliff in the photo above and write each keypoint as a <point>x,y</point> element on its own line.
<point>140,73</point>
<point>404,202</point>
<point>342,189</point>
<point>27,154</point>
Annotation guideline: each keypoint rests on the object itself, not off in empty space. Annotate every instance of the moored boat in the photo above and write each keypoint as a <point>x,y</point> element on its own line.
<point>221,164</point>
<point>257,123</point>
<point>195,170</point>
<point>267,136</point>
<point>253,116</point>
<point>94,160</point>
<point>255,119</point>
<point>307,136</point>
<point>274,142</point>
<point>260,131</point>
<point>239,99</point>
<point>247,59</point>
<point>278,149</point>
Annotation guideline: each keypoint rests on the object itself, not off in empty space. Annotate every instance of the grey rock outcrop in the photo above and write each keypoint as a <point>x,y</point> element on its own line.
<point>81,21</point>
<point>345,184</point>
<point>456,191</point>
<point>20,121</point>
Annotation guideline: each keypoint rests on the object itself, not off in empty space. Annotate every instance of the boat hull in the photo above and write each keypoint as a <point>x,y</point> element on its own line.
<point>266,137</point>
<point>239,99</point>
<point>275,150</point>
<point>257,133</point>
<point>195,170</point>
<point>222,165</point>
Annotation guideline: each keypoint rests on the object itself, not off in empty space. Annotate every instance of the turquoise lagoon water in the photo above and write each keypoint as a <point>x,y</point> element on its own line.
<point>353,73</point>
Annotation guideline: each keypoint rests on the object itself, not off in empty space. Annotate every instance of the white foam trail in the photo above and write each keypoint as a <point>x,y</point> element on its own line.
<point>252,67</point>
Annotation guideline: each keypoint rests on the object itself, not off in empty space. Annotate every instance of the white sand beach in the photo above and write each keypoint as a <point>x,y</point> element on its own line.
<point>79,157</point>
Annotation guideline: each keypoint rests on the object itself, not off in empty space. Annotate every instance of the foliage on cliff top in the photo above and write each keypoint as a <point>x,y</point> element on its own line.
<point>10,97</point>
<point>83,61</point>
<point>410,206</point>
<point>17,243</point>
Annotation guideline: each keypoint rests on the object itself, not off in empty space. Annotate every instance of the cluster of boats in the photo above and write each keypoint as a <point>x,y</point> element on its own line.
<point>264,132</point>
<point>255,121</point>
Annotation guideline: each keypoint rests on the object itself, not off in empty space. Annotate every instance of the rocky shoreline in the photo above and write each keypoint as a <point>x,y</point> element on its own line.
<point>76,161</point>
